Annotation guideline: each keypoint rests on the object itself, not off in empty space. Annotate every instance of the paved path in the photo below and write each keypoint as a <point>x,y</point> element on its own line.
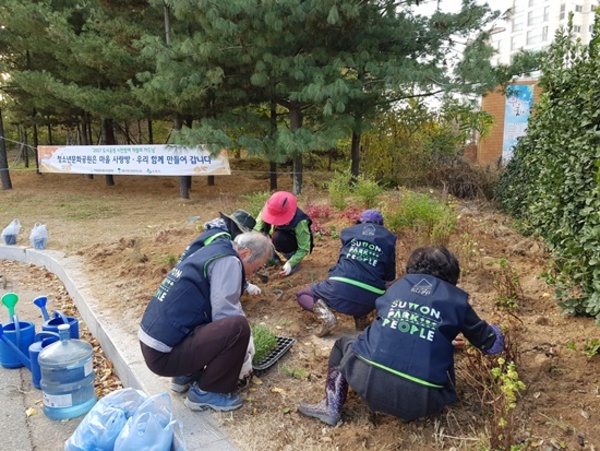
<point>17,394</point>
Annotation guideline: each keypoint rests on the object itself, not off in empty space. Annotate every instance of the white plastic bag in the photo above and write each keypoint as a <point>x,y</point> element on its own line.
<point>38,236</point>
<point>100,428</point>
<point>150,428</point>
<point>10,232</point>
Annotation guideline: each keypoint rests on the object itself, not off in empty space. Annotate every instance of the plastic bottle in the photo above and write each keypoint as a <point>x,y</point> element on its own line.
<point>67,376</point>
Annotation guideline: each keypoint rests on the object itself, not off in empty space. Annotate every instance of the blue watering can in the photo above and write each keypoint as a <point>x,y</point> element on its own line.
<point>58,318</point>
<point>14,348</point>
<point>14,357</point>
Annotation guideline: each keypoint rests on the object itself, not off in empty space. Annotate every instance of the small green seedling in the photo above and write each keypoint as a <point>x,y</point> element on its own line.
<point>591,347</point>
<point>265,342</point>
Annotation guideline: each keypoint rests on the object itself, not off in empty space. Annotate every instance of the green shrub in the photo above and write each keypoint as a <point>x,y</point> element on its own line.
<point>552,183</point>
<point>255,202</point>
<point>340,189</point>
<point>367,191</point>
<point>430,217</point>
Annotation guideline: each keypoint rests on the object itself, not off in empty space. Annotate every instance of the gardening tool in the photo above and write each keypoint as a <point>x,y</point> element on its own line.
<point>10,300</point>
<point>11,355</point>
<point>40,341</point>
<point>59,318</point>
<point>41,301</point>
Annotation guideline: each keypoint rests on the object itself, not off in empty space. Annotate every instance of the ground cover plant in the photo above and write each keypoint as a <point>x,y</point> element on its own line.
<point>125,258</point>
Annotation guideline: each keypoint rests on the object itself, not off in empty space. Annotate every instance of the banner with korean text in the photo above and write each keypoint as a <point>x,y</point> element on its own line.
<point>132,160</point>
<point>519,101</point>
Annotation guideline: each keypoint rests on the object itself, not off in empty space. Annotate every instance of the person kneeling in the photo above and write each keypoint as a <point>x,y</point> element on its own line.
<point>403,363</point>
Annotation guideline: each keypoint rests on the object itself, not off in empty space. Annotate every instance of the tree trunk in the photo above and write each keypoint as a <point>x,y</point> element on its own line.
<point>184,184</point>
<point>272,164</point>
<point>50,134</point>
<point>25,149</point>
<point>35,147</point>
<point>273,175</point>
<point>150,132</point>
<point>4,174</point>
<point>355,155</point>
<point>295,124</point>
<point>86,136</point>
<point>109,138</point>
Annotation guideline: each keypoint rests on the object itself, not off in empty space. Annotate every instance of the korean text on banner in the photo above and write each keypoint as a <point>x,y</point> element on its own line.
<point>132,160</point>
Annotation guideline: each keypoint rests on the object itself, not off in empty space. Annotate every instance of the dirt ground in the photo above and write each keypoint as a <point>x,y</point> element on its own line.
<point>129,233</point>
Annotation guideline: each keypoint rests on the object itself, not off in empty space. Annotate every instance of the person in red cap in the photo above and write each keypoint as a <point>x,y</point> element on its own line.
<point>288,227</point>
<point>365,267</point>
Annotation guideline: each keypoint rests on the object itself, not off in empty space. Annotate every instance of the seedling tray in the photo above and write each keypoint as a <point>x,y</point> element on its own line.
<point>283,346</point>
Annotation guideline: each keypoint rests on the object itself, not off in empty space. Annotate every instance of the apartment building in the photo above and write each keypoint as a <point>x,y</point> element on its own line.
<point>531,25</point>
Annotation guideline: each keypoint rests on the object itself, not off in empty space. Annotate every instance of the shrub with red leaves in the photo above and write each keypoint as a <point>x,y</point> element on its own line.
<point>352,214</point>
<point>318,213</point>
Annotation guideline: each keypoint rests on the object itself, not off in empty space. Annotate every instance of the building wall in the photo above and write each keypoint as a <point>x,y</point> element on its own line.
<point>533,24</point>
<point>489,151</point>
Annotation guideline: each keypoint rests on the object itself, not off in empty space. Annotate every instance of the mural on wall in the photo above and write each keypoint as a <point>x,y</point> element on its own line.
<point>519,100</point>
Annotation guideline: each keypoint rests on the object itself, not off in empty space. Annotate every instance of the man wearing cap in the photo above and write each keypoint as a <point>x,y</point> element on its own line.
<point>366,265</point>
<point>288,227</point>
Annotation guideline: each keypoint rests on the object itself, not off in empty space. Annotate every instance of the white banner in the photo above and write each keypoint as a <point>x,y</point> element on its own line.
<point>132,160</point>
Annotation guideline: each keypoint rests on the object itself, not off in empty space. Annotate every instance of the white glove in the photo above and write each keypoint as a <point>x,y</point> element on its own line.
<point>286,270</point>
<point>247,365</point>
<point>253,290</point>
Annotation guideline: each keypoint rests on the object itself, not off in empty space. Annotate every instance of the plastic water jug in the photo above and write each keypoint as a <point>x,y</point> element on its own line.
<point>67,376</point>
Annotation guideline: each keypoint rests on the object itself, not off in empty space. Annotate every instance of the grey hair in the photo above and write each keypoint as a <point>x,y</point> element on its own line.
<point>258,244</point>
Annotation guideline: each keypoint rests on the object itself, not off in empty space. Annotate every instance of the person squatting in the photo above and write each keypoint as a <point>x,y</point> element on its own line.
<point>195,331</point>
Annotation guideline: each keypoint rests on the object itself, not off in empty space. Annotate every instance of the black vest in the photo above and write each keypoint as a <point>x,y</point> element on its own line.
<point>205,239</point>
<point>418,317</point>
<point>284,237</point>
<point>182,300</point>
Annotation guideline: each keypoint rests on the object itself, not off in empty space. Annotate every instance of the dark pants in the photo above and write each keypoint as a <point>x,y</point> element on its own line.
<point>214,352</point>
<point>385,392</point>
<point>341,301</point>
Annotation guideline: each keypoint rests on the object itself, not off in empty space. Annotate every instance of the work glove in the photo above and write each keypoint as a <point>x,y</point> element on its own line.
<point>286,270</point>
<point>498,345</point>
<point>246,370</point>
<point>253,290</point>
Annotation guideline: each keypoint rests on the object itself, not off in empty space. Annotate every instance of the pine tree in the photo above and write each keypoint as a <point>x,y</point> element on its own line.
<point>331,66</point>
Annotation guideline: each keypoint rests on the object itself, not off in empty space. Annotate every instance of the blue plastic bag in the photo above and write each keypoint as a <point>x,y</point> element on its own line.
<point>150,428</point>
<point>100,428</point>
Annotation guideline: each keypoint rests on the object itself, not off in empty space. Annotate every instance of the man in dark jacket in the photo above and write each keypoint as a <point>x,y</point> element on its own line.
<point>289,229</point>
<point>195,325</point>
<point>366,265</point>
<point>403,363</point>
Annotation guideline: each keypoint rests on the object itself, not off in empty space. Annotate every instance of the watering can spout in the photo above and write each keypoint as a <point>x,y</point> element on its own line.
<point>10,300</point>
<point>41,301</point>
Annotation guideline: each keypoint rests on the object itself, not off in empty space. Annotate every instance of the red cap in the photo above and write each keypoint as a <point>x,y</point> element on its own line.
<point>279,209</point>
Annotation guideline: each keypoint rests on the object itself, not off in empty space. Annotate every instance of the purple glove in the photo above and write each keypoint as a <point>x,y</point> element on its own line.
<point>498,345</point>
